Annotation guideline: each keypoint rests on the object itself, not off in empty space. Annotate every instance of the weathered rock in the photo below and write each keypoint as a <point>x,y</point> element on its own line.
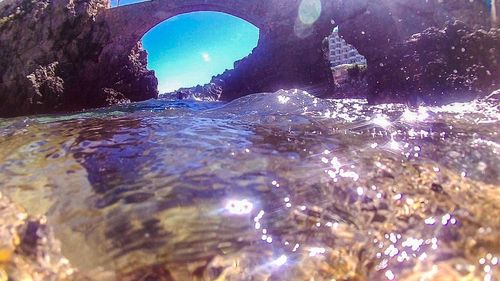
<point>156,273</point>
<point>353,85</point>
<point>439,65</point>
<point>413,16</point>
<point>28,248</point>
<point>56,56</point>
<point>208,92</point>
<point>46,85</point>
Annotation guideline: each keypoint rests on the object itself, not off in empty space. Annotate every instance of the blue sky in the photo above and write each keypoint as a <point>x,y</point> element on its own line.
<point>189,49</point>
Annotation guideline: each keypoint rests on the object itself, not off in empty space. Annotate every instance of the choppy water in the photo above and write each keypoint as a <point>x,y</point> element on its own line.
<point>276,186</point>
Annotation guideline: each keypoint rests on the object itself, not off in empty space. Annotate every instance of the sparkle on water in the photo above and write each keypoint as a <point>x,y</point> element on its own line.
<point>278,186</point>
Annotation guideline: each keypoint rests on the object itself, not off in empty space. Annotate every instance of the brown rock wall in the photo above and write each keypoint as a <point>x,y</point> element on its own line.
<point>55,56</point>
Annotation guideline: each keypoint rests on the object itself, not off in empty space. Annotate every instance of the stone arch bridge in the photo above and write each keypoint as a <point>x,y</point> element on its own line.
<point>291,51</point>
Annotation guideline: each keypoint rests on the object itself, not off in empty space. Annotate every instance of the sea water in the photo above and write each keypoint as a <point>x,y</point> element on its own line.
<point>275,186</point>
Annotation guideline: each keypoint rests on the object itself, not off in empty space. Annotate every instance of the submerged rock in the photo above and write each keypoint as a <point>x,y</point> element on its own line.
<point>56,56</point>
<point>28,249</point>
<point>277,186</point>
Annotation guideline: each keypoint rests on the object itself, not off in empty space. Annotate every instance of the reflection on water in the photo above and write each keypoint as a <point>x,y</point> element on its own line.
<point>276,186</point>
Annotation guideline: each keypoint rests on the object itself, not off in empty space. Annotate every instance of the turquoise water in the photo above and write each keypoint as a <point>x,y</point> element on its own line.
<point>279,186</point>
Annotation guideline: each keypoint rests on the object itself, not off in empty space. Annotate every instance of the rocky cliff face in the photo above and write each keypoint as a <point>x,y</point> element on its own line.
<point>439,65</point>
<point>289,54</point>
<point>402,40</point>
<point>55,57</point>
<point>447,52</point>
<point>208,92</point>
<point>414,16</point>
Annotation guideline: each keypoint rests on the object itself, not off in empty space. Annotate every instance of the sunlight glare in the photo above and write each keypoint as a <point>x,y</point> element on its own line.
<point>280,261</point>
<point>206,57</point>
<point>239,207</point>
<point>381,121</point>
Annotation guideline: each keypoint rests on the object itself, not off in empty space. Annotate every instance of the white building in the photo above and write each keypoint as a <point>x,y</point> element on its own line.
<point>341,52</point>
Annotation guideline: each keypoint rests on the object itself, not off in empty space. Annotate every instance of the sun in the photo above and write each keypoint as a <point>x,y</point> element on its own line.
<point>206,57</point>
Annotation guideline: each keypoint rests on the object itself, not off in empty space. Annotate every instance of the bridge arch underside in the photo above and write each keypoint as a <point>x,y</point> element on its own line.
<point>128,24</point>
<point>289,53</point>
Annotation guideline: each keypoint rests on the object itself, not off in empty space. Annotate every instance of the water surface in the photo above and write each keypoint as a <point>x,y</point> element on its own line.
<point>279,186</point>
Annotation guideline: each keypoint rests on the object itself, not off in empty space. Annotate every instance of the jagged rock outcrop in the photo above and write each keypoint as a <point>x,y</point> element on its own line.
<point>413,16</point>
<point>55,56</point>
<point>381,31</point>
<point>439,65</point>
<point>350,82</point>
<point>208,92</point>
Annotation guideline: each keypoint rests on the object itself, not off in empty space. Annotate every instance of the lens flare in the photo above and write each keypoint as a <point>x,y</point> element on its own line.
<point>309,11</point>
